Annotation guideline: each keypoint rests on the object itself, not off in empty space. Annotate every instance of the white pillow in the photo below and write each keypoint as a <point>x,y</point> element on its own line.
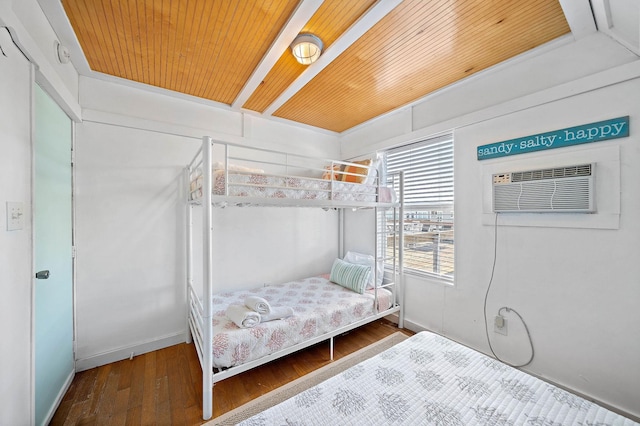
<point>236,168</point>
<point>366,260</point>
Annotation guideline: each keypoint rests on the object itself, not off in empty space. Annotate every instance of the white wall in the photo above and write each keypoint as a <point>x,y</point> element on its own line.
<point>577,288</point>
<point>126,105</point>
<point>15,246</point>
<point>130,224</point>
<point>566,282</point>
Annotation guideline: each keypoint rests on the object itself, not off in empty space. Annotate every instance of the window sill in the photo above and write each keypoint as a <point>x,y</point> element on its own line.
<point>426,276</point>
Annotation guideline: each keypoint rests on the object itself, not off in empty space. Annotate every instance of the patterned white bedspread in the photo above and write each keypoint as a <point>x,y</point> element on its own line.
<point>262,185</point>
<point>430,380</point>
<point>319,306</point>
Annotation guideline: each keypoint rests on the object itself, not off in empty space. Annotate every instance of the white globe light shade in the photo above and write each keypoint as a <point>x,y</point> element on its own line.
<point>306,48</point>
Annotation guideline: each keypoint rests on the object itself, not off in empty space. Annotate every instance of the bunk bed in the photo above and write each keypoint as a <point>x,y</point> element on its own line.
<point>230,175</point>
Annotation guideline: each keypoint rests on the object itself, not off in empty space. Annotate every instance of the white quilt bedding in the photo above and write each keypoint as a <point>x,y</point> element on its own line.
<point>260,185</point>
<point>430,380</point>
<point>319,306</point>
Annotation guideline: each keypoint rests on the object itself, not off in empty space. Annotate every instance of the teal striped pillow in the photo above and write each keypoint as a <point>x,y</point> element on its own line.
<point>349,275</point>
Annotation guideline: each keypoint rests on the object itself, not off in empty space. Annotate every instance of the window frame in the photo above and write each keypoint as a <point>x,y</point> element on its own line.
<point>437,154</point>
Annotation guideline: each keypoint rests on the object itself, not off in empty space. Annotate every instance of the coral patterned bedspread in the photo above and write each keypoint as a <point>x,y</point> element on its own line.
<point>319,306</point>
<point>262,185</point>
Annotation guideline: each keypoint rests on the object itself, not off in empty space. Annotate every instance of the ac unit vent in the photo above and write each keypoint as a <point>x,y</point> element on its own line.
<point>561,189</point>
<point>560,172</point>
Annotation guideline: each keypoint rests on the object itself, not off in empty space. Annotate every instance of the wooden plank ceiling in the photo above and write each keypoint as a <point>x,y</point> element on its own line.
<point>210,49</point>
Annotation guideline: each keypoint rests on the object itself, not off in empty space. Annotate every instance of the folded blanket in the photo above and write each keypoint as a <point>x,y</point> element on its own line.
<point>242,316</point>
<point>277,313</point>
<point>257,304</point>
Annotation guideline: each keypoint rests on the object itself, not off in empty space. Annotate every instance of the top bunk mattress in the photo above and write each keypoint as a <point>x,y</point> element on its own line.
<point>262,185</point>
<point>319,307</point>
<point>288,179</point>
<point>430,380</point>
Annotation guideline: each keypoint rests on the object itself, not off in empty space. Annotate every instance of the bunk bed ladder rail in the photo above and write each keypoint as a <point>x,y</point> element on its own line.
<point>376,260</point>
<point>207,279</point>
<point>189,277</point>
<point>226,170</point>
<point>197,328</point>
<point>195,321</point>
<point>400,281</point>
<point>398,260</point>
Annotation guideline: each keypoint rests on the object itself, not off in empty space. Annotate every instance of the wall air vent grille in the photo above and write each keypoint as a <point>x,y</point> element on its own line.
<point>554,190</point>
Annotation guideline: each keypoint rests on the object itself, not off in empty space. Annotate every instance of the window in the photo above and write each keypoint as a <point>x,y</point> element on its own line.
<point>428,213</point>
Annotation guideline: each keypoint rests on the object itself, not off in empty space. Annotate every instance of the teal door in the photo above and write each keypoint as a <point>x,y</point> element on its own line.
<point>53,337</point>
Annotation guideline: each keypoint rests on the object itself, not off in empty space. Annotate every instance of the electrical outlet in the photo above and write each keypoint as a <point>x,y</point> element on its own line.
<point>500,325</point>
<point>15,216</point>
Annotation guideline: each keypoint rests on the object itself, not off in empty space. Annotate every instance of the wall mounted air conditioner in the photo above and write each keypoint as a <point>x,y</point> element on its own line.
<point>556,190</point>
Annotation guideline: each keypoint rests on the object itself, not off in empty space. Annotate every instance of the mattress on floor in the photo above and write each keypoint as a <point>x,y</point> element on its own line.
<point>430,380</point>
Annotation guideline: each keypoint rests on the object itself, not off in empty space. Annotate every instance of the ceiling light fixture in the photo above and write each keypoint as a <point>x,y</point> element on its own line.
<point>306,48</point>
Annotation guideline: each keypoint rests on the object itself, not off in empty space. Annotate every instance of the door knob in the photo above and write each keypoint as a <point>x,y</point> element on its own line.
<point>42,275</point>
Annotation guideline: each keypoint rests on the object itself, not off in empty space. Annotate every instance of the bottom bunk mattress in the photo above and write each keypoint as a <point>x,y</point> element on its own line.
<point>430,380</point>
<point>319,307</point>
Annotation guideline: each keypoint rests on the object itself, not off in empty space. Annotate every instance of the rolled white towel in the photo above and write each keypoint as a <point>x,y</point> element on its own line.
<point>257,304</point>
<point>242,316</point>
<point>279,312</point>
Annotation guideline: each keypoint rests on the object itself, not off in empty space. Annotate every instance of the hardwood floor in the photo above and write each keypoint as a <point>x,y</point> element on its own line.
<point>165,387</point>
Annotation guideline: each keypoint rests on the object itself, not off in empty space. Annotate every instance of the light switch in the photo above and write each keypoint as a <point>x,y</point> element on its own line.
<point>15,216</point>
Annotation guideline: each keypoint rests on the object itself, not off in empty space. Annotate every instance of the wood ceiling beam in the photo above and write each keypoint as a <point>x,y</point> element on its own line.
<point>372,17</point>
<point>299,19</point>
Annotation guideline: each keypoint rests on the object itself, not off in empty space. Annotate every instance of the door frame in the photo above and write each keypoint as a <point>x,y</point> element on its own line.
<point>34,80</point>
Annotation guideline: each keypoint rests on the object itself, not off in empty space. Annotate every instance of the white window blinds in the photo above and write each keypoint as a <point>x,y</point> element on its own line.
<point>428,171</point>
<point>428,195</point>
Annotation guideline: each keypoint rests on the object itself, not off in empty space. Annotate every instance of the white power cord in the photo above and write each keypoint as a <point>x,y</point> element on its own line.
<point>505,308</point>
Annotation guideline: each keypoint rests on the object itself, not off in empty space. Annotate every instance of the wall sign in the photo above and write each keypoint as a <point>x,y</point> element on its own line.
<point>587,133</point>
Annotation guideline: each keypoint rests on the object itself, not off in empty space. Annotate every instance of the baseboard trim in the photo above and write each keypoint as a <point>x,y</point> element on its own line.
<point>104,358</point>
<point>410,325</point>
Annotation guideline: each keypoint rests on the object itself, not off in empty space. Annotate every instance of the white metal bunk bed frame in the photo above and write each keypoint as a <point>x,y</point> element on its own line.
<point>199,315</point>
